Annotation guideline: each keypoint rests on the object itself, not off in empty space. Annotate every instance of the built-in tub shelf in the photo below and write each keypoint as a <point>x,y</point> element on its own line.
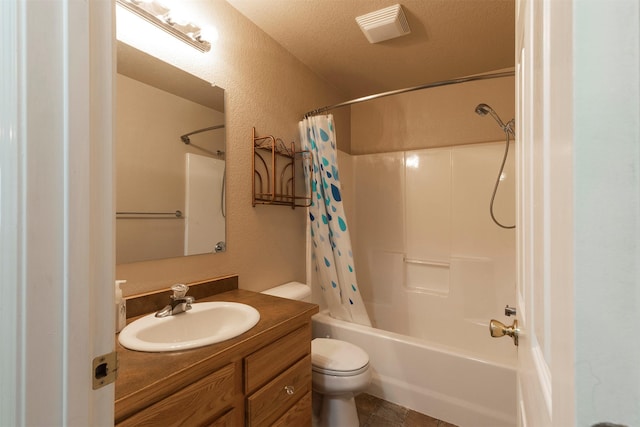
<point>427,276</point>
<point>276,169</point>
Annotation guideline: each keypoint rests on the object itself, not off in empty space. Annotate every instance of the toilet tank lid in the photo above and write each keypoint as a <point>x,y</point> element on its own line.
<point>337,355</point>
<point>291,290</point>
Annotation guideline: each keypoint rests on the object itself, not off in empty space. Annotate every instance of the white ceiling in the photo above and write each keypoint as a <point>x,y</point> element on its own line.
<point>449,39</point>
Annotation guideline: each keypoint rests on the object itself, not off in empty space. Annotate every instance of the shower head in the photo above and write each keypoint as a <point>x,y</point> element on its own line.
<point>484,109</point>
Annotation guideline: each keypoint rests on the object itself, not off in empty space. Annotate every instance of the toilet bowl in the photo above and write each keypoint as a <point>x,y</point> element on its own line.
<point>340,371</point>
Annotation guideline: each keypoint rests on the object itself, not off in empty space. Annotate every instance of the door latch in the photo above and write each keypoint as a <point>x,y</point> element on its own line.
<point>509,311</point>
<point>105,370</point>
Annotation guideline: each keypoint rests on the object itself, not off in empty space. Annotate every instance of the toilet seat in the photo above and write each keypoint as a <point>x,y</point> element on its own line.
<point>340,373</point>
<point>338,358</point>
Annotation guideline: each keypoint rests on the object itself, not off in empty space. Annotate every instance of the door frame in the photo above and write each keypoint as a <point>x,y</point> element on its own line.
<point>56,210</point>
<point>544,108</point>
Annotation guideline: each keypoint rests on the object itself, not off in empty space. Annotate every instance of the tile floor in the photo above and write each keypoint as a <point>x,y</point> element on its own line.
<point>375,412</point>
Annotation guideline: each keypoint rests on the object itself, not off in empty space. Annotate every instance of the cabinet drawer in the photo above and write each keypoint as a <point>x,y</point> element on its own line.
<point>274,399</point>
<point>268,362</point>
<point>195,404</point>
<point>299,415</point>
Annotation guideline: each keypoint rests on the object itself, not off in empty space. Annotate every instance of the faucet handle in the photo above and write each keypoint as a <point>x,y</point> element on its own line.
<point>179,290</point>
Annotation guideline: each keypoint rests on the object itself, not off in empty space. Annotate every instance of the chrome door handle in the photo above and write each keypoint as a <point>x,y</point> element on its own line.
<point>498,329</point>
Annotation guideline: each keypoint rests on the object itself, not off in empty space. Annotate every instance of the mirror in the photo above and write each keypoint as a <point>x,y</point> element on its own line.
<point>170,161</point>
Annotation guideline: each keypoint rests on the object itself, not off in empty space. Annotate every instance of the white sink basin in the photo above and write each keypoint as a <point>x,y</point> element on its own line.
<point>206,323</point>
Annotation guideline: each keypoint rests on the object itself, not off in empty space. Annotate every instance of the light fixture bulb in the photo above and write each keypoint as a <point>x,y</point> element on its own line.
<point>153,7</point>
<point>208,33</point>
<point>157,14</point>
<point>180,13</point>
<point>187,28</point>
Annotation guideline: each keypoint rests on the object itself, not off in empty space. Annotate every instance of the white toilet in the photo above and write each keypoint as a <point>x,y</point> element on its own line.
<point>340,370</point>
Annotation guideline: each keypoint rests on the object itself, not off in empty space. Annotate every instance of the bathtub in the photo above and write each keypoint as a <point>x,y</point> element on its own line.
<point>432,379</point>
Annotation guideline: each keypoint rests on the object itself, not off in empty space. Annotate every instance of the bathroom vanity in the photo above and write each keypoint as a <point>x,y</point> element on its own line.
<point>262,377</point>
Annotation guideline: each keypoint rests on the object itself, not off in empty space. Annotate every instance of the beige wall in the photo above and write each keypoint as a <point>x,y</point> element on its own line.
<point>437,117</point>
<point>267,88</point>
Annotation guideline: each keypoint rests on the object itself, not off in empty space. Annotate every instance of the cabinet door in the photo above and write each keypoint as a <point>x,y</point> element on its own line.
<point>274,399</point>
<point>197,404</point>
<point>268,362</point>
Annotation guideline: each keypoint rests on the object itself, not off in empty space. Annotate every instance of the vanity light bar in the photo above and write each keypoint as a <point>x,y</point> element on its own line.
<point>163,21</point>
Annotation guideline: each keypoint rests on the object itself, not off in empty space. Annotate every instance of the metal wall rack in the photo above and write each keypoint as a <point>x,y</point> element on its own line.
<point>274,173</point>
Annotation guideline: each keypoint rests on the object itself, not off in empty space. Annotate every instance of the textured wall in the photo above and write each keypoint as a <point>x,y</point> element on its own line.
<point>268,88</point>
<point>436,117</point>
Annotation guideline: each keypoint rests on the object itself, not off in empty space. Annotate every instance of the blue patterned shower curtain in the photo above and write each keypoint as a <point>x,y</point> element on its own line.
<point>331,245</point>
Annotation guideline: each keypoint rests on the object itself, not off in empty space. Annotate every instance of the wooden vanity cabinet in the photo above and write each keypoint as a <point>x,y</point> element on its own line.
<point>213,400</point>
<point>261,378</point>
<point>267,386</point>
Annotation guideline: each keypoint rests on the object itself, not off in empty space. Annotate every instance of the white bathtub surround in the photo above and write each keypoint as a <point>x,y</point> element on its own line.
<point>331,254</point>
<point>430,379</point>
<point>204,219</point>
<point>431,262</point>
<point>433,270</point>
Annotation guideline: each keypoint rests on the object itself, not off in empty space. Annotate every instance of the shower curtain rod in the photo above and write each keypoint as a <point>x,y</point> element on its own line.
<point>185,137</point>
<point>410,89</point>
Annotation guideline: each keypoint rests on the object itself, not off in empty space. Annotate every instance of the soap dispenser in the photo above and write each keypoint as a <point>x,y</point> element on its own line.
<point>121,307</point>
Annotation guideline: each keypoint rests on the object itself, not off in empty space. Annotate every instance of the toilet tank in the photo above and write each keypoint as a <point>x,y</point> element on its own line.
<point>292,290</point>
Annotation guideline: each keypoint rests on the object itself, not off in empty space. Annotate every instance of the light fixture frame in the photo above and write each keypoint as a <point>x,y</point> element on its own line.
<point>198,43</point>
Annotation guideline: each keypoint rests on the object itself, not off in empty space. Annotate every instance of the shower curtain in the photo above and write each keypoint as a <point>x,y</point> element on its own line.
<point>331,245</point>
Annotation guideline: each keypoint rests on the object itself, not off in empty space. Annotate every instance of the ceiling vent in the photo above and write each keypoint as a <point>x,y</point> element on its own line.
<point>384,24</point>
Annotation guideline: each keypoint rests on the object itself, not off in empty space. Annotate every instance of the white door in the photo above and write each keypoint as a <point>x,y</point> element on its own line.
<point>56,211</point>
<point>545,228</point>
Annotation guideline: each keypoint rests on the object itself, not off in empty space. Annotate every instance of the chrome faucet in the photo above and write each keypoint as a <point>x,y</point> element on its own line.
<point>180,302</point>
